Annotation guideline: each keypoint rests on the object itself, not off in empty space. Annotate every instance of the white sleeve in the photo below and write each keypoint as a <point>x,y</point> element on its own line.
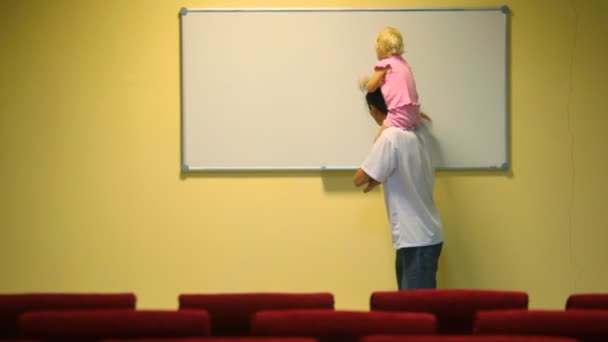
<point>380,162</point>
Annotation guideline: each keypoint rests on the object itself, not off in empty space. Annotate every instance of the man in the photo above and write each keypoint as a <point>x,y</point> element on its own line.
<point>401,161</point>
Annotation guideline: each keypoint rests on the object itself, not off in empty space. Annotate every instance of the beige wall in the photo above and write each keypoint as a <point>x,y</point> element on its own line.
<point>92,198</point>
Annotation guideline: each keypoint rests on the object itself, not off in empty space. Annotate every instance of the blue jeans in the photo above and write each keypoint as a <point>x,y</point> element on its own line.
<point>417,267</point>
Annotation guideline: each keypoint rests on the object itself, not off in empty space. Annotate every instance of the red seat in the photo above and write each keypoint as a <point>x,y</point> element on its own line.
<point>230,314</point>
<point>13,305</point>
<point>586,325</point>
<point>343,326</point>
<point>589,301</point>
<point>93,325</point>
<point>219,339</point>
<point>464,338</point>
<point>454,308</point>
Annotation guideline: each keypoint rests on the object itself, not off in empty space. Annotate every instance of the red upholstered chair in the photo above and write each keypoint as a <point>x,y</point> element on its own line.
<point>94,325</point>
<point>230,314</point>
<point>585,325</point>
<point>464,338</point>
<point>588,301</point>
<point>454,308</point>
<point>339,326</point>
<point>221,339</point>
<point>13,305</point>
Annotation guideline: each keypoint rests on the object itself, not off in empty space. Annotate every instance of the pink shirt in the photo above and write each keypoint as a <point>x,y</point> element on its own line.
<point>399,91</point>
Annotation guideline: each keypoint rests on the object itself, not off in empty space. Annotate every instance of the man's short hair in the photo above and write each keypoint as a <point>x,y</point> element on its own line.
<point>377,100</point>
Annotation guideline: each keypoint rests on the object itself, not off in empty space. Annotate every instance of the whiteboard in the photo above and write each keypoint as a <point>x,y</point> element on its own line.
<point>273,89</point>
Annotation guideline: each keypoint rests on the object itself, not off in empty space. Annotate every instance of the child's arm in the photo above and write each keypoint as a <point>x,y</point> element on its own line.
<point>382,128</point>
<point>374,83</point>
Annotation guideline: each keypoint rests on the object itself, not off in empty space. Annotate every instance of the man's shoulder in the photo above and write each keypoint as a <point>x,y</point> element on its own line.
<point>392,133</point>
<point>399,138</point>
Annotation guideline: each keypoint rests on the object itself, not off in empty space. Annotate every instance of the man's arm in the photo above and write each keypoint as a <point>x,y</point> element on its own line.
<point>361,178</point>
<point>379,163</point>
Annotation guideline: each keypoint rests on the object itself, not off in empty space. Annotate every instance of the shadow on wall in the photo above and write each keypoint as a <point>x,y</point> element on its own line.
<point>333,181</point>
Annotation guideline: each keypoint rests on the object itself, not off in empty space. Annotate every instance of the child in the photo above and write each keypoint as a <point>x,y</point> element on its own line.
<point>394,76</point>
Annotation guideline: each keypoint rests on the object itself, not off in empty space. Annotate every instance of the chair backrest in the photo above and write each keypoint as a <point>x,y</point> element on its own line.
<point>94,325</point>
<point>231,314</point>
<point>343,326</point>
<point>588,301</point>
<point>454,308</point>
<point>464,338</point>
<point>586,325</point>
<point>220,339</point>
<point>13,305</point>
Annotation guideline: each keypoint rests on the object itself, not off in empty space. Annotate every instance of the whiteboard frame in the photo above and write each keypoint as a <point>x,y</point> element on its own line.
<point>188,169</point>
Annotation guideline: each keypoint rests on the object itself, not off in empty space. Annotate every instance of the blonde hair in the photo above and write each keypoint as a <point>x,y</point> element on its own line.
<point>389,42</point>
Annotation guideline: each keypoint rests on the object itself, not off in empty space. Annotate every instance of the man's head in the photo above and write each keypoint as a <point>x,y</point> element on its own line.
<point>377,106</point>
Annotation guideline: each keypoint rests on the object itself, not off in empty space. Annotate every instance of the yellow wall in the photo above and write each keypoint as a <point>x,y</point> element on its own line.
<point>92,198</point>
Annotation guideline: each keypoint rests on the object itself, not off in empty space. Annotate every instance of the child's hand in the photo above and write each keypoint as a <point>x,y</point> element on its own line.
<point>363,82</point>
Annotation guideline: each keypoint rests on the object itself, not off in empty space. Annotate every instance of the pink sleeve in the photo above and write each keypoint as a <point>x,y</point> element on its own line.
<point>382,64</point>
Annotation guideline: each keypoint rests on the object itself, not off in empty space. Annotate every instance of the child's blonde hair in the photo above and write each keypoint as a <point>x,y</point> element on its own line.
<point>389,42</point>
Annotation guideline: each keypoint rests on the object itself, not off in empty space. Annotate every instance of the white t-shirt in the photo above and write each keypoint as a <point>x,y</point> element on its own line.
<point>401,161</point>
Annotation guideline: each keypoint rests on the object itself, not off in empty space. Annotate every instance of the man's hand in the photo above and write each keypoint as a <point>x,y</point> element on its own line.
<point>371,185</point>
<point>362,178</point>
